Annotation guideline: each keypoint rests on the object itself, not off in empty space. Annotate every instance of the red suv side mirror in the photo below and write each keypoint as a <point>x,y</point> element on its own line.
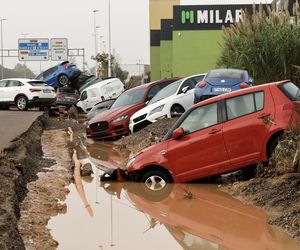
<point>177,133</point>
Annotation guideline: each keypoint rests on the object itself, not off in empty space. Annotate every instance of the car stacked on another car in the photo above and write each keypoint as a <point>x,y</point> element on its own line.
<point>60,75</point>
<point>220,134</point>
<point>25,93</point>
<point>66,96</point>
<point>114,122</point>
<point>220,81</point>
<point>171,101</point>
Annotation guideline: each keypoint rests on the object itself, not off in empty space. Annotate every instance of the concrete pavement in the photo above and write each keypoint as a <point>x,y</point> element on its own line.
<point>13,124</point>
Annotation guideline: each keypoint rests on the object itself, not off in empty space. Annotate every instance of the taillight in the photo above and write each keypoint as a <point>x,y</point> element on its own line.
<point>35,90</point>
<point>201,84</point>
<point>244,85</point>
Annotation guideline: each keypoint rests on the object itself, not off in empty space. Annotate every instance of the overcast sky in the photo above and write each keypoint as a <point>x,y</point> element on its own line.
<point>74,20</point>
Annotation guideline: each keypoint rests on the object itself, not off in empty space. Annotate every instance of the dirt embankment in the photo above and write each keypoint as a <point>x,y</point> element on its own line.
<point>20,165</point>
<point>275,188</point>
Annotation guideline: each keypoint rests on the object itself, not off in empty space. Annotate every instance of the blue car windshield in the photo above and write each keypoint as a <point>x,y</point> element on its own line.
<point>166,91</point>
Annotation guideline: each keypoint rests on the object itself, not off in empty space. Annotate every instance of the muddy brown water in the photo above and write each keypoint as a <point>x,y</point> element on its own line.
<point>181,216</point>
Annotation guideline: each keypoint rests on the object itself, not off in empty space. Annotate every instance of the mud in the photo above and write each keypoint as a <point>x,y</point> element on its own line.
<point>275,188</point>
<point>20,165</point>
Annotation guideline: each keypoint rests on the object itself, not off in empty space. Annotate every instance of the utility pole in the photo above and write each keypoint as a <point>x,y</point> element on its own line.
<point>109,41</point>
<point>2,66</point>
<point>96,41</point>
<point>25,69</point>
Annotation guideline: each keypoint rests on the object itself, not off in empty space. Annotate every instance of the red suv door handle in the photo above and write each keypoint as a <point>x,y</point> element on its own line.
<point>214,131</point>
<point>263,115</point>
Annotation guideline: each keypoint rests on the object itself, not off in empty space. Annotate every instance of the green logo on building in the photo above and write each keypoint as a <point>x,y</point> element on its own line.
<point>187,16</point>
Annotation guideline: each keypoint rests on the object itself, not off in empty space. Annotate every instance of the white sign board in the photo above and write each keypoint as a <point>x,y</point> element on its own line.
<point>59,49</point>
<point>33,49</point>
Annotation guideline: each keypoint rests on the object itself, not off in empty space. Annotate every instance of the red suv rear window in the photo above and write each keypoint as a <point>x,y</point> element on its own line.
<point>291,91</point>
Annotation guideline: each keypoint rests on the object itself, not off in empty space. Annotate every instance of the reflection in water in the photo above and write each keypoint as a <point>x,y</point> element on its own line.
<point>208,220</point>
<point>104,154</point>
<point>181,216</point>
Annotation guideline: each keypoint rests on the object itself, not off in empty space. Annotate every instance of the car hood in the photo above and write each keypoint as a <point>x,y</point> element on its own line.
<point>114,113</point>
<point>152,106</point>
<point>223,81</point>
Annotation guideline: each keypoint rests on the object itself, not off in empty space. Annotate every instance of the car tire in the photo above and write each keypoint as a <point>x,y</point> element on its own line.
<point>155,185</point>
<point>22,103</point>
<point>176,110</point>
<point>63,80</point>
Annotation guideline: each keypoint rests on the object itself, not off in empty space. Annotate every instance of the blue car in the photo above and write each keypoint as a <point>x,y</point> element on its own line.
<point>220,81</point>
<point>60,75</point>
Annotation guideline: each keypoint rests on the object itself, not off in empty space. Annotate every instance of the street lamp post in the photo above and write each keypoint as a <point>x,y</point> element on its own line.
<point>2,67</point>
<point>109,41</point>
<point>25,73</point>
<point>96,41</point>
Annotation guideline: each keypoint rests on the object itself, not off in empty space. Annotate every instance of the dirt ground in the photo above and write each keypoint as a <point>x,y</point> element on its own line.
<point>23,169</point>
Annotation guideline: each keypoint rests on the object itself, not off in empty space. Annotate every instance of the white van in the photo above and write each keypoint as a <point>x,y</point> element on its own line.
<point>110,88</point>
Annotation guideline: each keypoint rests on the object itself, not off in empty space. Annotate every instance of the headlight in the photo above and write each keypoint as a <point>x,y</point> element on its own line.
<point>121,118</point>
<point>158,109</point>
<point>130,161</point>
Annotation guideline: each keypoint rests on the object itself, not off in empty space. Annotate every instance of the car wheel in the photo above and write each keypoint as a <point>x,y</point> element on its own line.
<point>63,80</point>
<point>177,110</point>
<point>155,185</point>
<point>22,103</point>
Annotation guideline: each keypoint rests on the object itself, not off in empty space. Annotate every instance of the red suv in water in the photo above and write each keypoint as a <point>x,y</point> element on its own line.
<point>219,135</point>
<point>115,121</point>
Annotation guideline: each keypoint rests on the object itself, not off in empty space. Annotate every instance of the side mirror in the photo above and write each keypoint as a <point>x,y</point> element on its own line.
<point>185,89</point>
<point>177,133</point>
<point>250,81</point>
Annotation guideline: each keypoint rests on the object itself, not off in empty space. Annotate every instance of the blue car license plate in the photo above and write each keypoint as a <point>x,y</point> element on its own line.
<point>226,90</point>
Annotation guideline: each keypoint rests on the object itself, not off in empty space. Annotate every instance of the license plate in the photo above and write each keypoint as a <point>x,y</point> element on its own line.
<point>222,90</point>
<point>46,91</point>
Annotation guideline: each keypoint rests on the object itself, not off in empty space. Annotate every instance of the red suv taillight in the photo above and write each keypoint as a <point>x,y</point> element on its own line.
<point>35,90</point>
<point>201,84</point>
<point>244,85</point>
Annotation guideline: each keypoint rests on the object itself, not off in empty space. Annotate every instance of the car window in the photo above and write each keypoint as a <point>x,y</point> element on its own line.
<point>13,83</point>
<point>3,83</point>
<point>198,79</point>
<point>240,106</point>
<point>259,100</point>
<point>153,91</point>
<point>166,92</point>
<point>83,96</point>
<point>290,90</point>
<point>188,83</point>
<point>129,97</point>
<point>201,117</point>
<point>49,71</point>
<point>37,83</point>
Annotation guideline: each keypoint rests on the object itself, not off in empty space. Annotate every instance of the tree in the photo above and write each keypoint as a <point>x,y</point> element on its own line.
<point>266,43</point>
<point>117,71</point>
<point>18,72</point>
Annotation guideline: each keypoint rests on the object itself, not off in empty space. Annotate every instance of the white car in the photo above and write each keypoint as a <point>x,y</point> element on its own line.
<point>106,89</point>
<point>25,93</point>
<point>171,101</point>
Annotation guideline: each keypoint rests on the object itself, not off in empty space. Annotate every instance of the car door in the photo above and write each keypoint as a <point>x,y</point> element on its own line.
<point>249,118</point>
<point>3,95</point>
<point>13,87</point>
<point>185,99</point>
<point>201,151</point>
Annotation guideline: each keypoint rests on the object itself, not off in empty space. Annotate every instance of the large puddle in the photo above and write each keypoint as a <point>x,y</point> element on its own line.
<point>182,216</point>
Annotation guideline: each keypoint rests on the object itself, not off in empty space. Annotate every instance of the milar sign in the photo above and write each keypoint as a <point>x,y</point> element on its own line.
<point>207,17</point>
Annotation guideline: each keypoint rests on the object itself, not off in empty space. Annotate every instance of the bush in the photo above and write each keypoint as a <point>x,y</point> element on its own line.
<point>266,43</point>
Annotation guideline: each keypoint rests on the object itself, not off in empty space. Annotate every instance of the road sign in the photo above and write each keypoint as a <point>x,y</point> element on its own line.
<point>59,49</point>
<point>33,49</point>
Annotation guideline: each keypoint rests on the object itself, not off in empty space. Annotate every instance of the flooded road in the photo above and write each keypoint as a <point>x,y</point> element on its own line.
<point>181,216</point>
